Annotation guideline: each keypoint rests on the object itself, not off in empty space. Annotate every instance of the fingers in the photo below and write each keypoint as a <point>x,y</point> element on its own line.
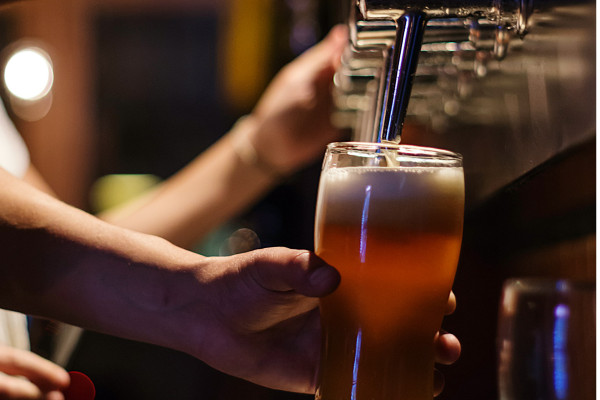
<point>438,382</point>
<point>282,270</point>
<point>43,378</point>
<point>38,370</point>
<point>447,348</point>
<point>338,34</point>
<point>54,395</point>
<point>18,388</point>
<point>451,305</point>
<point>327,52</point>
<point>336,40</point>
<point>447,351</point>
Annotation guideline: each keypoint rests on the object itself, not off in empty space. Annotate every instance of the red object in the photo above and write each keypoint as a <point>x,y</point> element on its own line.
<point>81,388</point>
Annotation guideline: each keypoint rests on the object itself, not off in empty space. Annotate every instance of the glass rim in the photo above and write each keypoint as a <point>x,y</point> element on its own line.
<point>402,149</point>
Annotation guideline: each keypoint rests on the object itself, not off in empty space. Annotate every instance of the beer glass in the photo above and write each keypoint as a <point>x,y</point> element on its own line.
<point>390,219</point>
<point>547,340</point>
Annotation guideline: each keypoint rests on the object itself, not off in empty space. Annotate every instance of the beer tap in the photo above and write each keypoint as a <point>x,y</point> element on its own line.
<point>386,38</point>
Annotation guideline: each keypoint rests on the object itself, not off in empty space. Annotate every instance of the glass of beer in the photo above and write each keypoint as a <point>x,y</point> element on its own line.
<point>390,219</point>
<point>547,340</point>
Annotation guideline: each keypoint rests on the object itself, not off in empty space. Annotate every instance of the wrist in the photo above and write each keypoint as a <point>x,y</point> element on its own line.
<point>243,140</point>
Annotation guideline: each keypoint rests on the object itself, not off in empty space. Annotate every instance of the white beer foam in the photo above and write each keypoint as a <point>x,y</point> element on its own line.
<point>393,181</point>
<point>395,194</point>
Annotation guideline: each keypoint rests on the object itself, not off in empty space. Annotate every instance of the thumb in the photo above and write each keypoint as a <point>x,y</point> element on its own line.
<point>337,38</point>
<point>281,270</point>
<point>327,53</point>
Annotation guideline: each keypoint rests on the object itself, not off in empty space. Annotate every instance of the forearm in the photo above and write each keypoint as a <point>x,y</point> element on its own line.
<point>61,263</point>
<point>289,128</point>
<point>214,187</point>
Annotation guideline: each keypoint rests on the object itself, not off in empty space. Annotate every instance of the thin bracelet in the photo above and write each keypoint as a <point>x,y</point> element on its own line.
<point>247,153</point>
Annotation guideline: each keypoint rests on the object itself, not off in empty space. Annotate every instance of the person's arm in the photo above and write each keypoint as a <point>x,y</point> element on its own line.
<point>200,197</point>
<point>247,315</point>
<point>289,128</point>
<point>252,315</point>
<point>35,179</point>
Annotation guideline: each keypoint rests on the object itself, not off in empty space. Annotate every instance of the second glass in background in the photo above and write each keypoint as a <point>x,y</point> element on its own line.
<point>546,340</point>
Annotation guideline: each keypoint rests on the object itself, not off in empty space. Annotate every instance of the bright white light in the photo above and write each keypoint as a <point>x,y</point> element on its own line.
<point>28,74</point>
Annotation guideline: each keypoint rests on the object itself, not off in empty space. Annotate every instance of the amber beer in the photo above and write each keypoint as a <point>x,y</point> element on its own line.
<point>390,220</point>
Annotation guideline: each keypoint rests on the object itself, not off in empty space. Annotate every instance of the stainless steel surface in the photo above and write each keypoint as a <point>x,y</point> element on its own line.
<point>503,12</point>
<point>506,100</point>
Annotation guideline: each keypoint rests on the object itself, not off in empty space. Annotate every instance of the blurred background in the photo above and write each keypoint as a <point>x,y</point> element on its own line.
<point>140,87</point>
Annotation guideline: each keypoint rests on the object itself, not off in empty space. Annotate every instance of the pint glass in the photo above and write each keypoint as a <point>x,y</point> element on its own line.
<point>390,219</point>
<point>547,340</point>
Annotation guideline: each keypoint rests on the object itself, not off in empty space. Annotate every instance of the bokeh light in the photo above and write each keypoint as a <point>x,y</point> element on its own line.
<point>28,74</point>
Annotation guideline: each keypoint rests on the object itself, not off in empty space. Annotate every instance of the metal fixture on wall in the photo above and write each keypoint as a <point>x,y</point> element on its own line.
<point>514,76</point>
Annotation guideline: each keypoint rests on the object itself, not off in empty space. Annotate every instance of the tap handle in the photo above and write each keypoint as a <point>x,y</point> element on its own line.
<point>401,66</point>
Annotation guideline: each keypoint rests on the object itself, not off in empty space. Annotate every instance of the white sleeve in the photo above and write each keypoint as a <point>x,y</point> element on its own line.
<point>13,330</point>
<point>14,156</point>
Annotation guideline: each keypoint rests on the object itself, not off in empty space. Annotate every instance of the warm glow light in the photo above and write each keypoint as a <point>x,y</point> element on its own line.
<point>28,74</point>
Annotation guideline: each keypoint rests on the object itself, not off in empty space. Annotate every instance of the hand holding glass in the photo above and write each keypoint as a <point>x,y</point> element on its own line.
<point>390,219</point>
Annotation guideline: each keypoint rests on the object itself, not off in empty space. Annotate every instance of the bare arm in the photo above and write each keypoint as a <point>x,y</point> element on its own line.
<point>196,200</point>
<point>252,315</point>
<point>288,129</point>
